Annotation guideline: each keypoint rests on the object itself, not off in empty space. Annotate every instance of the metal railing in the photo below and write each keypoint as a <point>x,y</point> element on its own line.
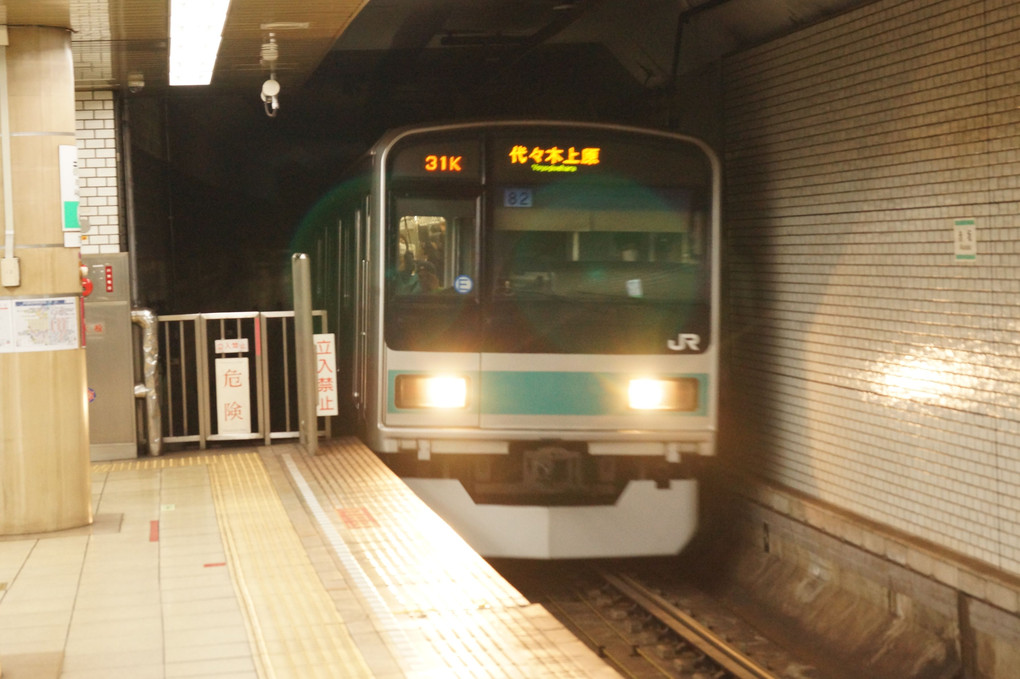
<point>190,344</point>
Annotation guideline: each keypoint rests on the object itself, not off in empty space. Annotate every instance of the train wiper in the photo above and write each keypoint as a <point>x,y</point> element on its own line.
<point>591,294</point>
<point>525,293</point>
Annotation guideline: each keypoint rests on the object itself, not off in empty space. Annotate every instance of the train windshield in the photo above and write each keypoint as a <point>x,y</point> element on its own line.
<point>554,243</point>
<point>597,242</point>
<point>435,245</point>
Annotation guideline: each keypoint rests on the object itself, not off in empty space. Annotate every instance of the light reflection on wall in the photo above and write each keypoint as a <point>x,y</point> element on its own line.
<point>928,375</point>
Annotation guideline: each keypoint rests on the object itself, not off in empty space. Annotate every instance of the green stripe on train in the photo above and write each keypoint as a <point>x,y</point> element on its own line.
<point>508,392</point>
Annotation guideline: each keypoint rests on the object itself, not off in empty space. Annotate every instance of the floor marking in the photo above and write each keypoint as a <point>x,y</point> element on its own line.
<point>260,653</point>
<point>357,517</point>
<point>294,617</point>
<point>389,625</point>
<point>154,531</point>
<point>291,620</point>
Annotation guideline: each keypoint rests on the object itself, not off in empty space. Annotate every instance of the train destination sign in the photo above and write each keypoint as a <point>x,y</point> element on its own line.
<point>553,158</point>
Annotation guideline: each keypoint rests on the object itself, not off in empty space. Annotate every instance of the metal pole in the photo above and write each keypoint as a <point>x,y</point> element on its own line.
<point>149,390</point>
<point>204,393</point>
<point>262,349</point>
<point>303,346</point>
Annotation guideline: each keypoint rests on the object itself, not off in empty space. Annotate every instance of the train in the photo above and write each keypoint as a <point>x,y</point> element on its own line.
<point>527,323</point>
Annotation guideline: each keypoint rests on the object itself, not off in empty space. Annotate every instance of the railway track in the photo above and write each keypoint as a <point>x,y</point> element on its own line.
<point>709,648</point>
<point>660,629</point>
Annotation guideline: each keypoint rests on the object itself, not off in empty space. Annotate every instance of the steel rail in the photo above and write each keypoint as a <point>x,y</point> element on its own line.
<point>608,652</point>
<point>689,629</point>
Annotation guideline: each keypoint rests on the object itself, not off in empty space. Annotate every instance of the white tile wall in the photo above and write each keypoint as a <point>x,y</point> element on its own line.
<point>885,375</point>
<point>98,174</point>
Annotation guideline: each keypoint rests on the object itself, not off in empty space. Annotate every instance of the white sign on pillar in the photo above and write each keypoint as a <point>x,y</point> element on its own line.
<point>325,377</point>
<point>67,161</point>
<point>233,403</point>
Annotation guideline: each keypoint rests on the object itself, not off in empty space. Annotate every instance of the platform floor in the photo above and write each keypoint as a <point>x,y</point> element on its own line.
<point>266,563</point>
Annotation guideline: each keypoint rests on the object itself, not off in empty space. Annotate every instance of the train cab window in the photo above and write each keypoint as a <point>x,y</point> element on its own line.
<point>600,244</point>
<point>433,247</point>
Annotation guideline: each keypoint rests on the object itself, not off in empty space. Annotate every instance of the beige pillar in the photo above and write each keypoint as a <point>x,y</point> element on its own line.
<point>44,442</point>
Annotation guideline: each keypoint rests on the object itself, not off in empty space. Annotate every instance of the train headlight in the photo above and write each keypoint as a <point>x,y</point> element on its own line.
<point>430,391</point>
<point>671,394</point>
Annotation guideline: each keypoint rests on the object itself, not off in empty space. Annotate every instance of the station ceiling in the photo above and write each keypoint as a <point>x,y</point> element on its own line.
<point>412,43</point>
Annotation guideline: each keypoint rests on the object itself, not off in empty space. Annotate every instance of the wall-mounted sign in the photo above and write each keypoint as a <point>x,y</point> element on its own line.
<point>67,158</point>
<point>6,325</point>
<point>965,240</point>
<point>45,324</point>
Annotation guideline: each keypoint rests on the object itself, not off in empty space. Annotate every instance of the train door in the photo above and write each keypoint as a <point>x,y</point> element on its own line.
<point>432,318</point>
<point>362,285</point>
<point>340,297</point>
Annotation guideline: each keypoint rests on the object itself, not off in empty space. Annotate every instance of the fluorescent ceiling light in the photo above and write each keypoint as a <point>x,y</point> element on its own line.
<point>196,27</point>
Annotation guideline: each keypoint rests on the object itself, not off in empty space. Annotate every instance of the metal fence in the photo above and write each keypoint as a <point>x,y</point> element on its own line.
<point>260,377</point>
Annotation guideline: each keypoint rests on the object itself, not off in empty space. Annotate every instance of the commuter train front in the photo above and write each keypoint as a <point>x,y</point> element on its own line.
<point>528,315</point>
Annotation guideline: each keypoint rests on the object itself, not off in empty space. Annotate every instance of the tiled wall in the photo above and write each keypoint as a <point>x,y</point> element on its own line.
<point>98,175</point>
<point>873,366</point>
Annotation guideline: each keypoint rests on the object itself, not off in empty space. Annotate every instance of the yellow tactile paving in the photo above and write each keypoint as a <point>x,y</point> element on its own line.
<point>293,622</point>
<point>293,627</point>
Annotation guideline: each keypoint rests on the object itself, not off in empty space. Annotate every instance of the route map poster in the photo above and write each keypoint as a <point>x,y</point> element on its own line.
<point>48,324</point>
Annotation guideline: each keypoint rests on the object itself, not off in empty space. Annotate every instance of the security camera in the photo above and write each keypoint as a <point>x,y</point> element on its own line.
<point>270,88</point>
<point>270,92</point>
